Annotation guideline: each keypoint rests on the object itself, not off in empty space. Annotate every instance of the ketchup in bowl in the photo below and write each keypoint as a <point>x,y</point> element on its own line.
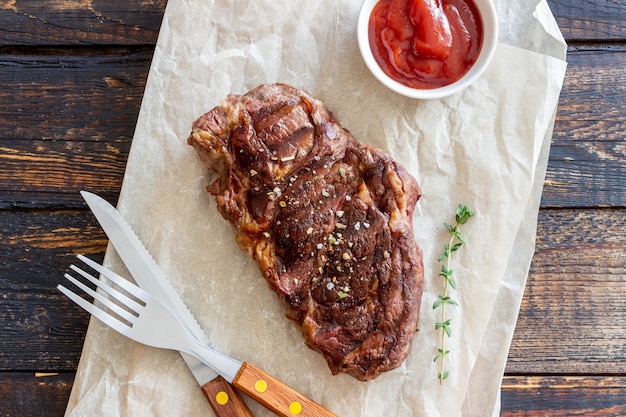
<point>425,44</point>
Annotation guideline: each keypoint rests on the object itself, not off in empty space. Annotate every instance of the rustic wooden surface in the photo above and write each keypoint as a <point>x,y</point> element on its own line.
<point>72,76</point>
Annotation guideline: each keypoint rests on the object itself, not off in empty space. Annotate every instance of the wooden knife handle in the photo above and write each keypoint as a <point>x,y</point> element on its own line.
<point>275,395</point>
<point>224,399</point>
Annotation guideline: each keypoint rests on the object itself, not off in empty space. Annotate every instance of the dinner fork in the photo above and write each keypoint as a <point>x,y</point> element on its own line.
<point>135,313</point>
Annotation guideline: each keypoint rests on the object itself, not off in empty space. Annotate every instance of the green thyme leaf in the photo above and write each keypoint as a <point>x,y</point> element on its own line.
<point>452,282</point>
<point>445,272</point>
<point>463,213</point>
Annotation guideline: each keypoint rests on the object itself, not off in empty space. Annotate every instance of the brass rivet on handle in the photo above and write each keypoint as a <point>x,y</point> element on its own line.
<point>221,397</point>
<point>260,386</point>
<point>295,408</point>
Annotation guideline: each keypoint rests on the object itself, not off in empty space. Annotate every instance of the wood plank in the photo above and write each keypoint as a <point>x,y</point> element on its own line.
<point>586,174</point>
<point>41,22</point>
<point>545,396</point>
<point>84,94</point>
<point>573,313</point>
<point>40,328</point>
<point>591,105</point>
<point>49,174</point>
<point>590,20</point>
<point>34,244</point>
<point>587,165</point>
<point>30,394</point>
<point>132,22</point>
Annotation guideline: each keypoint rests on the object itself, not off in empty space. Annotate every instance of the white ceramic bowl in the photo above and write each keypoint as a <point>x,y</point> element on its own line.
<point>490,39</point>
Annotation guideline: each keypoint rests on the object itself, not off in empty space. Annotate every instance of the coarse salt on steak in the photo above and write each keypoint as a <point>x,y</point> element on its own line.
<point>327,219</point>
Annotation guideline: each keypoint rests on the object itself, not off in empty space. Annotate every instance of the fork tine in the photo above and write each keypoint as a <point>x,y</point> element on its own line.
<point>132,304</point>
<point>101,315</point>
<point>105,301</point>
<point>115,278</point>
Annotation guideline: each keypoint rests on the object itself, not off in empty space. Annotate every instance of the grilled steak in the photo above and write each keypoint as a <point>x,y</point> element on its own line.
<point>327,219</point>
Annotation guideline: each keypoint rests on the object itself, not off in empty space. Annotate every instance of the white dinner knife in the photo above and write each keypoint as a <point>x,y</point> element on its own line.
<point>224,400</point>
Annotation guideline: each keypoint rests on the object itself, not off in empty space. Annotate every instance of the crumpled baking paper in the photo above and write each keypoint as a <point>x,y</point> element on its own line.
<point>486,147</point>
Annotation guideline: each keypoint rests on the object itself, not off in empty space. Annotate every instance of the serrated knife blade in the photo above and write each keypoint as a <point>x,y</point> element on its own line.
<point>149,276</point>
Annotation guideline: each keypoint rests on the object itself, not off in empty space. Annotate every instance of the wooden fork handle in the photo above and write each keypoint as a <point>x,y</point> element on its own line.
<point>275,395</point>
<point>224,399</point>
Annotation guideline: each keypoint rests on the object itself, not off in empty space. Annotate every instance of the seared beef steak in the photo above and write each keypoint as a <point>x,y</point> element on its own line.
<point>327,219</point>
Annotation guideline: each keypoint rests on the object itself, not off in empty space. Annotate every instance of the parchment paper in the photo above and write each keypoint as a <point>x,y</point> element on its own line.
<point>486,147</point>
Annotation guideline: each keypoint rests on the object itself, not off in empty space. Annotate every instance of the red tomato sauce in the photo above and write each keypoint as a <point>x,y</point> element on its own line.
<point>425,43</point>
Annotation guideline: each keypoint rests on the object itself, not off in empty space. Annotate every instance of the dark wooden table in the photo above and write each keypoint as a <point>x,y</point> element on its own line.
<point>72,76</point>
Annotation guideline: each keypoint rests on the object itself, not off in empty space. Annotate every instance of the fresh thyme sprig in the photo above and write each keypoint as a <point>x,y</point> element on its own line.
<point>457,239</point>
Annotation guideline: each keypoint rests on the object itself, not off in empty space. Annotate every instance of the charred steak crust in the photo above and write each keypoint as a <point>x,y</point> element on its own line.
<point>327,219</point>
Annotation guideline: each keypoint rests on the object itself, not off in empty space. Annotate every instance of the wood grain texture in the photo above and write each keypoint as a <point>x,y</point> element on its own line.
<point>587,165</point>
<point>137,21</point>
<point>546,396</point>
<point>574,308</point>
<point>40,328</point>
<point>49,174</point>
<point>84,94</point>
<point>224,399</point>
<point>276,396</point>
<point>89,22</point>
<point>30,394</point>
<point>590,20</point>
